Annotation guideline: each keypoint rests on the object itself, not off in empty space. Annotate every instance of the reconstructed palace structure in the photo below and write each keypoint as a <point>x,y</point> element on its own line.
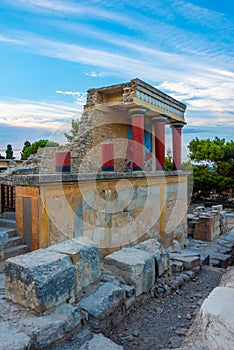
<point>111,185</point>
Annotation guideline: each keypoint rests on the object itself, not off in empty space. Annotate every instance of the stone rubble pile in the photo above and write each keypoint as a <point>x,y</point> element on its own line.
<point>207,224</point>
<point>65,287</point>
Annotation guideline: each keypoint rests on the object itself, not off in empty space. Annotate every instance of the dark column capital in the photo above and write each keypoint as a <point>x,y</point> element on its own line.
<point>177,125</point>
<point>138,111</point>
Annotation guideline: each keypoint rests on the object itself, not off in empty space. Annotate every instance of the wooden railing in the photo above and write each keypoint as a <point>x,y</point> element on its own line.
<point>7,197</point>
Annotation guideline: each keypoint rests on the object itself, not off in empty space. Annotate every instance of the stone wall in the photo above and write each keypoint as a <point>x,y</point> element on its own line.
<point>114,210</point>
<point>97,127</point>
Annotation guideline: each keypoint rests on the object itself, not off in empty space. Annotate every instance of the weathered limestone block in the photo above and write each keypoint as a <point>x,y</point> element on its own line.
<point>40,280</point>
<point>160,254</point>
<point>207,228</point>
<point>228,278</point>
<point>189,260</point>
<point>218,207</point>
<point>176,266</point>
<point>105,308</point>
<point>12,339</point>
<point>135,266</point>
<point>98,341</point>
<point>3,242</point>
<point>86,256</point>
<point>47,329</point>
<point>223,222</point>
<point>130,295</point>
<point>214,326</point>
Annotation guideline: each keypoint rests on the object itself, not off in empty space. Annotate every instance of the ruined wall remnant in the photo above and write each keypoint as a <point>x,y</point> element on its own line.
<point>207,224</point>
<point>114,212</point>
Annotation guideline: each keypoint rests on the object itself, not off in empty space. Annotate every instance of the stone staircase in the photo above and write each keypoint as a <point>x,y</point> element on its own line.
<point>15,244</point>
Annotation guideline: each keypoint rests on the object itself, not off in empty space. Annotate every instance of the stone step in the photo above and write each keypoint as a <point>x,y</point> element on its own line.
<point>11,232</point>
<point>14,241</point>
<point>8,215</point>
<point>10,223</point>
<point>105,308</point>
<point>14,251</point>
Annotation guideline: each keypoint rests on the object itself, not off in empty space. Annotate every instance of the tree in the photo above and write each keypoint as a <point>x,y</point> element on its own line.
<point>74,129</point>
<point>32,149</point>
<point>214,167</point>
<point>169,161</point>
<point>9,152</point>
<point>26,145</point>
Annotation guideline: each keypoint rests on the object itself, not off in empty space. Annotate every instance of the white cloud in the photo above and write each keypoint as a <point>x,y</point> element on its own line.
<point>80,97</point>
<point>200,85</point>
<point>95,74</point>
<point>68,7</point>
<point>45,115</point>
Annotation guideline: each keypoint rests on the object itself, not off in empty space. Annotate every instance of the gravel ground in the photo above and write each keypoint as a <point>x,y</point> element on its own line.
<point>163,323</point>
<point>160,323</point>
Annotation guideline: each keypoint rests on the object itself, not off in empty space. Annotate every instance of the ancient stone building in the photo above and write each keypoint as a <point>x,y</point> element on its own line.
<point>133,117</point>
<point>113,189</point>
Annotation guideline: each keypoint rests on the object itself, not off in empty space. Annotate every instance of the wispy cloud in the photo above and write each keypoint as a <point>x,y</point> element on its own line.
<point>200,85</point>
<point>95,74</point>
<point>80,97</point>
<point>62,8</point>
<point>29,114</point>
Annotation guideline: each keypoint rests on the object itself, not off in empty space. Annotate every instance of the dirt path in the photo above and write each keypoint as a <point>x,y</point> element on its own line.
<point>160,323</point>
<point>163,323</point>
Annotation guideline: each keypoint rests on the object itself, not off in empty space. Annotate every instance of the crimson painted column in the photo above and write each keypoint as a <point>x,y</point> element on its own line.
<point>108,156</point>
<point>159,143</point>
<point>62,162</point>
<point>138,138</point>
<point>176,145</point>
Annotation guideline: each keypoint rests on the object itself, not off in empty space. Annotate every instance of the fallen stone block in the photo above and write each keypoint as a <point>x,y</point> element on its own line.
<point>213,327</point>
<point>228,278</point>
<point>13,339</point>
<point>135,266</point>
<point>86,257</point>
<point>217,314</point>
<point>40,280</point>
<point>189,262</point>
<point>218,207</point>
<point>45,330</point>
<point>104,309</point>
<point>225,259</point>
<point>176,266</point>
<point>98,341</point>
<point>160,254</point>
<point>130,295</point>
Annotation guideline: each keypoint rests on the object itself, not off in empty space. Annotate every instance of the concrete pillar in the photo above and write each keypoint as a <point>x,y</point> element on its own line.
<point>62,162</point>
<point>176,145</point>
<point>137,116</point>
<point>108,156</point>
<point>159,131</point>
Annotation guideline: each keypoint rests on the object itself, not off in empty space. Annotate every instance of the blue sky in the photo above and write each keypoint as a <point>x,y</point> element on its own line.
<point>52,51</point>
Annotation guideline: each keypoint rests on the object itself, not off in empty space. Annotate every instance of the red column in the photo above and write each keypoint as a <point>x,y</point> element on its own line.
<point>176,145</point>
<point>138,138</point>
<point>108,156</point>
<point>62,162</point>
<point>160,143</point>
